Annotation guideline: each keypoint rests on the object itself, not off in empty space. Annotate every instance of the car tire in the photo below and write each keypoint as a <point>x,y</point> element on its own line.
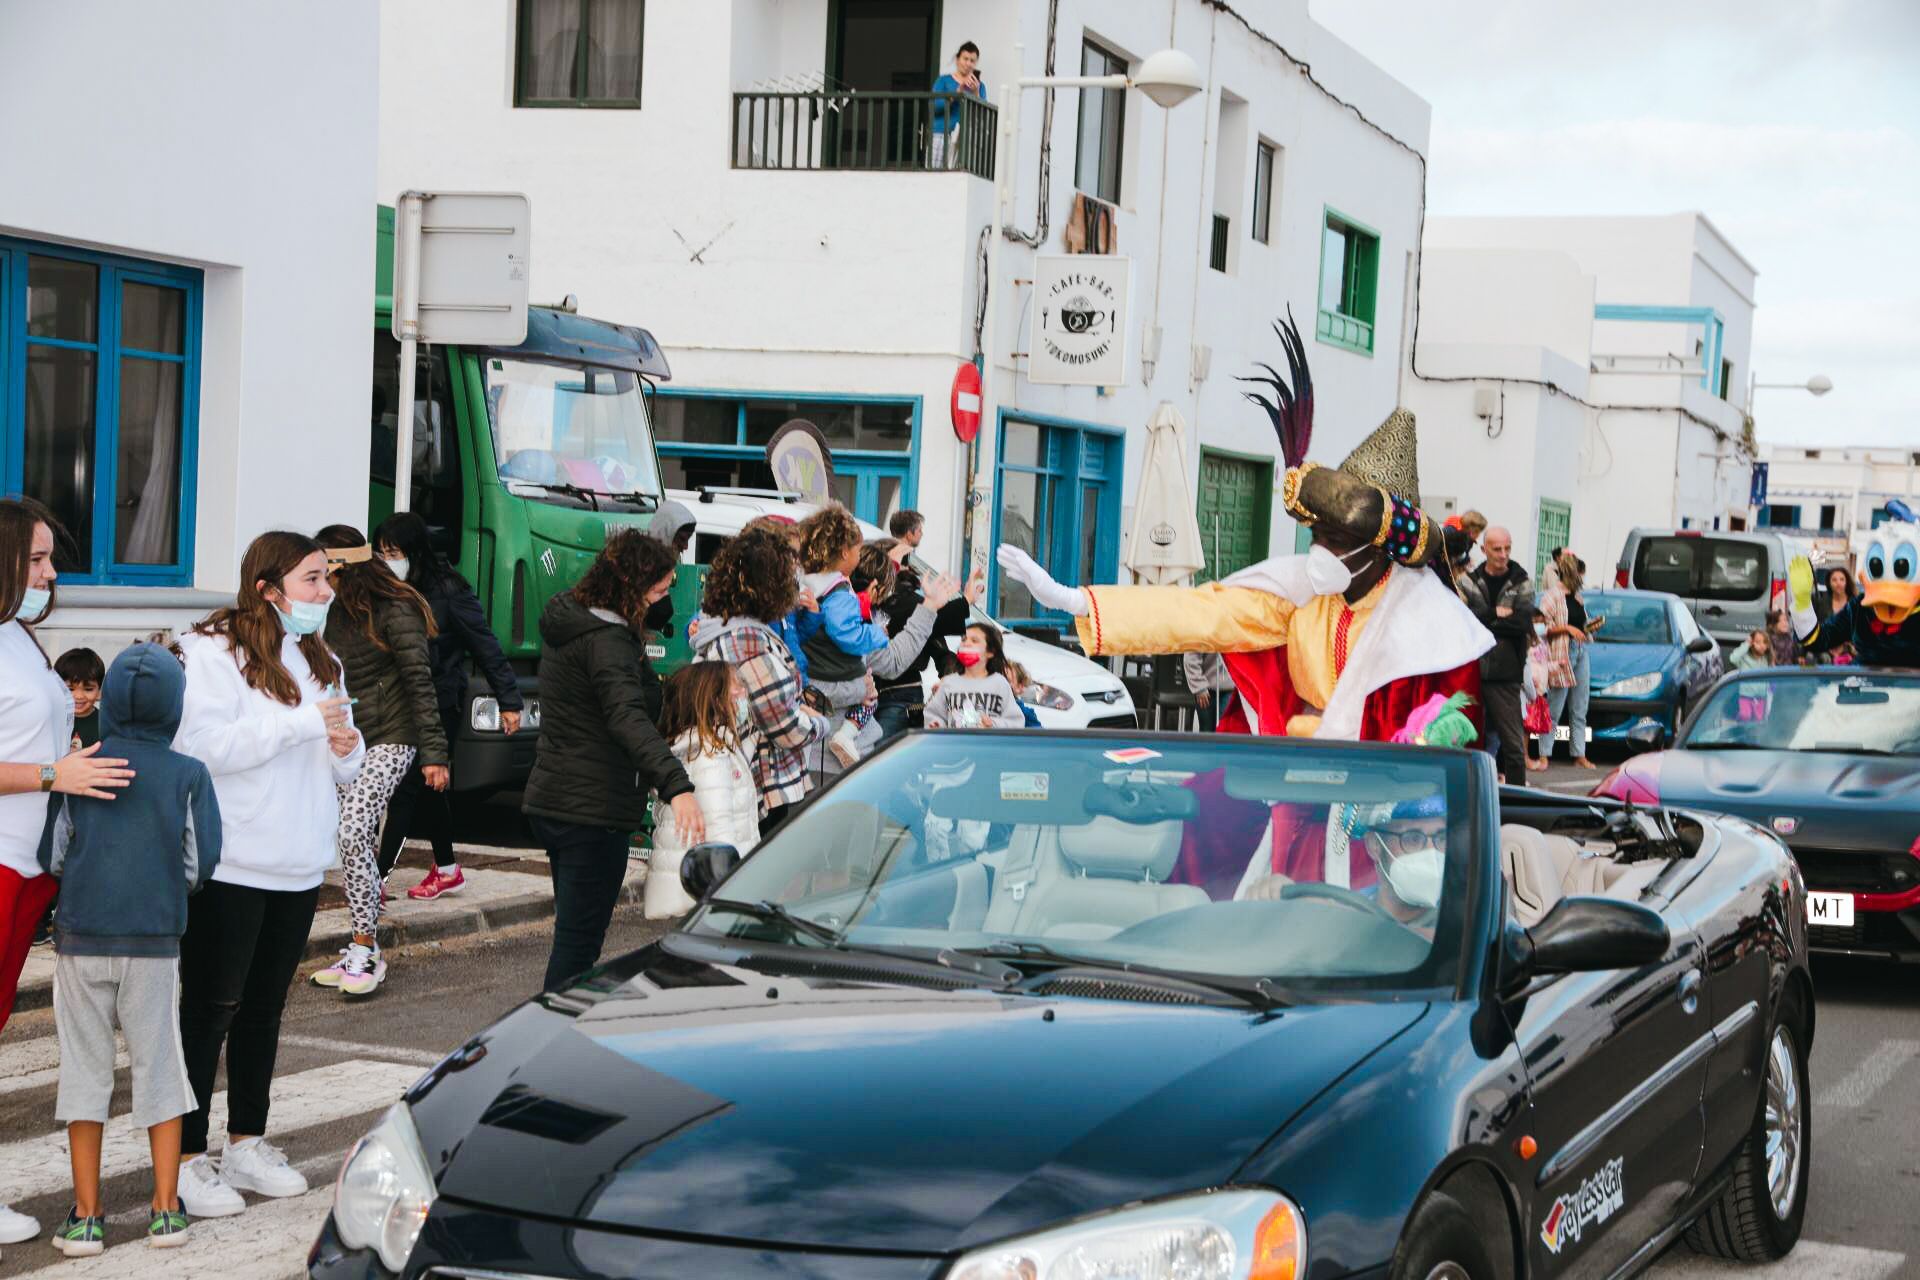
<point>1756,1219</point>
<point>1443,1242</point>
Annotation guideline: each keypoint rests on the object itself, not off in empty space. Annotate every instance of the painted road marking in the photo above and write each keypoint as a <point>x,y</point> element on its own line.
<point>1827,1261</point>
<point>35,1064</point>
<point>39,1166</point>
<point>355,1049</point>
<point>1870,1075</point>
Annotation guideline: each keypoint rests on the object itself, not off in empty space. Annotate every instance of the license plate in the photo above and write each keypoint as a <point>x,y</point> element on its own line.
<point>1834,909</point>
<point>1563,733</point>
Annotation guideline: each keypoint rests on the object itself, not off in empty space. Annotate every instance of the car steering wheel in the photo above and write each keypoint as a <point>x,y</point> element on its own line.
<point>1334,893</point>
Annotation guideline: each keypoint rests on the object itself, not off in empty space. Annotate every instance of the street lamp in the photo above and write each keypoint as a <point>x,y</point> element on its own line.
<point>1819,384</point>
<point>1168,78</point>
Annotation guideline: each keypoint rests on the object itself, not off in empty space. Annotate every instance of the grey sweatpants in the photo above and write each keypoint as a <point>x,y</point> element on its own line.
<point>141,996</point>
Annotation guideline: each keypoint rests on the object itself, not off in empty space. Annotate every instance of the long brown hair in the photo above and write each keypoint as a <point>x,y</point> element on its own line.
<point>876,570</point>
<point>361,587</point>
<point>752,577</point>
<point>625,570</point>
<point>698,699</point>
<point>252,629</point>
<point>18,519</point>
<point>996,663</point>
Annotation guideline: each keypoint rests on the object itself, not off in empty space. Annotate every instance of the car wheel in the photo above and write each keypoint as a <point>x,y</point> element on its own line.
<point>1444,1243</point>
<point>1758,1217</point>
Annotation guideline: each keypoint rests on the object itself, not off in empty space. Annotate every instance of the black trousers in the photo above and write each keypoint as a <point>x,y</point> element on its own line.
<point>237,959</point>
<point>1506,731</point>
<point>588,865</point>
<point>418,810</point>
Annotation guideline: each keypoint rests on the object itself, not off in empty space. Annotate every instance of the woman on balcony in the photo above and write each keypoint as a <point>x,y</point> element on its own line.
<point>964,78</point>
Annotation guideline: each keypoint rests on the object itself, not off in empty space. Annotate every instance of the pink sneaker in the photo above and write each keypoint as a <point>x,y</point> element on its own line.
<point>437,884</point>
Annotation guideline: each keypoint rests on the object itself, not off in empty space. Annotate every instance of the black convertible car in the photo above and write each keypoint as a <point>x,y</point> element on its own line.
<point>1827,758</point>
<point>1041,1006</point>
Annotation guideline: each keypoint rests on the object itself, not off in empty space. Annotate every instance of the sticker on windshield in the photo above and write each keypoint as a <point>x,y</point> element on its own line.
<point>1598,1197</point>
<point>1132,755</point>
<point>1323,777</point>
<point>1023,786</point>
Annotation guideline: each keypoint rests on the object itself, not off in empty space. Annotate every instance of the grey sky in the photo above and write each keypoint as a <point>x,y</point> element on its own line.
<point>1794,126</point>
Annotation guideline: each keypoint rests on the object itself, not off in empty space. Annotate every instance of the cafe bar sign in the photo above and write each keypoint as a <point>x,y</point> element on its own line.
<point>1080,320</point>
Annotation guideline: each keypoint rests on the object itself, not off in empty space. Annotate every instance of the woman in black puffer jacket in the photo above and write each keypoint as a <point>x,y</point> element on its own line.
<point>600,754</point>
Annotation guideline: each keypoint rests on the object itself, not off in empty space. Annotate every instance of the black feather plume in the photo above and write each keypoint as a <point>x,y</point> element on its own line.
<point>1291,406</point>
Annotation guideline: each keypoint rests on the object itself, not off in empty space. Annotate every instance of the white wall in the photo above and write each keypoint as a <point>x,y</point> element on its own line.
<point>238,138</point>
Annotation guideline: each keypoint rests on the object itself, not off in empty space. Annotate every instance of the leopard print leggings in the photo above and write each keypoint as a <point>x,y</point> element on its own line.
<point>363,803</point>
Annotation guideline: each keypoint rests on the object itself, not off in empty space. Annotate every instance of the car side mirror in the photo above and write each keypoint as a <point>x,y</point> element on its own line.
<point>705,866</point>
<point>1701,644</point>
<point>1583,934</point>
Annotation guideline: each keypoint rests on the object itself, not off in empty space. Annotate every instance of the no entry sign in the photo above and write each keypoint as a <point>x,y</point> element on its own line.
<point>966,402</point>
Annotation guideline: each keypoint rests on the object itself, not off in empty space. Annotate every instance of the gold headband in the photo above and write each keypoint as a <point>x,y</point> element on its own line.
<point>1290,493</point>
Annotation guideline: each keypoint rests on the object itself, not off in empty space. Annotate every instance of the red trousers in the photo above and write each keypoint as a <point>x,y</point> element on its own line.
<point>22,903</point>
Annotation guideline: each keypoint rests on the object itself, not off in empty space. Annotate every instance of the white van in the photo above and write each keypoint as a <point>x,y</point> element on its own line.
<point>1071,692</point>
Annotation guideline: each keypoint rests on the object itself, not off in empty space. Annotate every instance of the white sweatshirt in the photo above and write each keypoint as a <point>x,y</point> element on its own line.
<point>272,768</point>
<point>36,727</point>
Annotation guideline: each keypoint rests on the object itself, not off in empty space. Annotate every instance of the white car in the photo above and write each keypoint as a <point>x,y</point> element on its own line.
<point>1068,691</point>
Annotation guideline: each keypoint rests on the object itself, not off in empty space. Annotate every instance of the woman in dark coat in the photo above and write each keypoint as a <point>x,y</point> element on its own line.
<point>600,754</point>
<point>420,806</point>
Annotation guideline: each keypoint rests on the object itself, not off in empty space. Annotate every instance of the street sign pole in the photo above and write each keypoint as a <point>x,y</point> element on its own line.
<point>406,326</point>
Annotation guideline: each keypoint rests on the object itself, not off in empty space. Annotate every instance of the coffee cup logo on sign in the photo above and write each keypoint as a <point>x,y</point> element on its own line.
<point>1080,320</point>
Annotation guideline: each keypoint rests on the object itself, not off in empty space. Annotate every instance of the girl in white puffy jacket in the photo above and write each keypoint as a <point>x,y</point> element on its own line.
<point>705,716</point>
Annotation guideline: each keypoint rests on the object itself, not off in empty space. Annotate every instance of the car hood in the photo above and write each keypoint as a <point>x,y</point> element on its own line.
<point>711,1100</point>
<point>1827,799</point>
<point>1610,662</point>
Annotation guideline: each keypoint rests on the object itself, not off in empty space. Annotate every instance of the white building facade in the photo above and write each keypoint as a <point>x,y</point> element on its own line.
<point>186,263</point>
<point>1646,428</point>
<point>1841,492</point>
<point>755,181</point>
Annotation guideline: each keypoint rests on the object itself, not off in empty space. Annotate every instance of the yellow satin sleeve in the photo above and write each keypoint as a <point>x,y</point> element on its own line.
<point>1209,619</point>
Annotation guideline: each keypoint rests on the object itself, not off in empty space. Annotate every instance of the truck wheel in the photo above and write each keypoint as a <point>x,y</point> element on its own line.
<point>1442,1242</point>
<point>1758,1217</point>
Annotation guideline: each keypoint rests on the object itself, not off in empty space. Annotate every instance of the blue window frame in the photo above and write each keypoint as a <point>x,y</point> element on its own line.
<point>1057,497</point>
<point>718,439</point>
<point>99,404</point>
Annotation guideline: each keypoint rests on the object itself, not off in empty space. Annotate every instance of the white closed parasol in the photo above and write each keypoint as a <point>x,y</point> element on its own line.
<point>1164,546</point>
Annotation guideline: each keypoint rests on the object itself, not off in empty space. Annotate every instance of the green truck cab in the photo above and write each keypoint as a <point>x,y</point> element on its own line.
<point>523,459</point>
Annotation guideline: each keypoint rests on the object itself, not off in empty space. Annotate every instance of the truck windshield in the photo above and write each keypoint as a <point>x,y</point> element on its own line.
<point>572,433</point>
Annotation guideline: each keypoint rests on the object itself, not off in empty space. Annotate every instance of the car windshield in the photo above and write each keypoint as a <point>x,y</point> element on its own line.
<point>1630,620</point>
<point>572,433</point>
<point>1307,866</point>
<point>1866,713</point>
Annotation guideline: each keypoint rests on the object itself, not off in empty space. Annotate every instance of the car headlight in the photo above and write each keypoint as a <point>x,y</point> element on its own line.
<point>1219,1235</point>
<point>485,715</point>
<point>384,1191</point>
<point>530,715</point>
<point>1633,686</point>
<point>1045,695</point>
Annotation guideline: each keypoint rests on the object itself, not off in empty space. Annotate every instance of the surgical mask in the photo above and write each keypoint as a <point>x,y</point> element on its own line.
<point>1365,552</point>
<point>1540,629</point>
<point>33,604</point>
<point>303,617</point>
<point>400,565</point>
<point>742,714</point>
<point>968,657</point>
<point>1415,877</point>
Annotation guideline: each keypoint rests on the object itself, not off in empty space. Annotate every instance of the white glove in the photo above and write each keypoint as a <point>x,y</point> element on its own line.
<point>1297,578</point>
<point>1047,593</point>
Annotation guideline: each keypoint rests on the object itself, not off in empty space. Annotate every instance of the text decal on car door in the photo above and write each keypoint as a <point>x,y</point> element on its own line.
<point>1598,1197</point>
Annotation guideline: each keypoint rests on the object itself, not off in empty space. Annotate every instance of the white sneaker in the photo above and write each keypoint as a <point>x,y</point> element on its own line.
<point>15,1227</point>
<point>205,1193</point>
<point>257,1165</point>
<point>843,746</point>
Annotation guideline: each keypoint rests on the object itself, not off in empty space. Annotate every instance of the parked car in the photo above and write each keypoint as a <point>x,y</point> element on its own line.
<point>984,1009</point>
<point>1729,580</point>
<point>1828,759</point>
<point>1649,663</point>
<point>1070,691</point>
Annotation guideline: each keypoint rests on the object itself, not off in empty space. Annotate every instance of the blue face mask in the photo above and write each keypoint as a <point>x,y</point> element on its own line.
<point>303,617</point>
<point>33,604</point>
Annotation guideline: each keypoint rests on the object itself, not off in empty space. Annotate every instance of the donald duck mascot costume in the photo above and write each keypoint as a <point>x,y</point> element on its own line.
<point>1883,621</point>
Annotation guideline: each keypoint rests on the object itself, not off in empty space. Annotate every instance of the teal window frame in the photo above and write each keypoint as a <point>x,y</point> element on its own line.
<point>523,54</point>
<point>112,273</point>
<point>1083,459</point>
<point>1561,515</point>
<point>869,467</point>
<point>1347,321</point>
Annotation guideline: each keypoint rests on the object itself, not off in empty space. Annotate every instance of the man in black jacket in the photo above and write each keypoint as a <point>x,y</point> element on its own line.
<point>1501,596</point>
<point>902,699</point>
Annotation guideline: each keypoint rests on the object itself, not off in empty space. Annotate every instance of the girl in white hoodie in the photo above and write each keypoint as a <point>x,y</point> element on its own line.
<point>267,712</point>
<point>706,716</point>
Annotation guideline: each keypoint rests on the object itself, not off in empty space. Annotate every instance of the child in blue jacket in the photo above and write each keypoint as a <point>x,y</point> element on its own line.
<point>836,654</point>
<point>126,866</point>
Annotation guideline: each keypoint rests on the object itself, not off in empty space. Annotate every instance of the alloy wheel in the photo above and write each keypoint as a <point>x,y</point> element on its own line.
<point>1784,1123</point>
<point>1449,1271</point>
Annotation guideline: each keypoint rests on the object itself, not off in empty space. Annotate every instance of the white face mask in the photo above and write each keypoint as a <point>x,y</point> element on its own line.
<point>1540,629</point>
<point>742,714</point>
<point>33,604</point>
<point>1415,877</point>
<point>400,566</point>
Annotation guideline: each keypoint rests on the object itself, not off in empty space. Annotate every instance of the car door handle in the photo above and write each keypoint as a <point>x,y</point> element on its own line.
<point>1688,992</point>
<point>1713,610</point>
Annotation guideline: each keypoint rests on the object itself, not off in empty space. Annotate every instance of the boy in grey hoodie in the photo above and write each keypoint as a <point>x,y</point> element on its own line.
<point>126,867</point>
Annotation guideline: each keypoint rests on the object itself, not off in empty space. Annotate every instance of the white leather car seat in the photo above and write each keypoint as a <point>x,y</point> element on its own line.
<point>1088,882</point>
<point>1541,869</point>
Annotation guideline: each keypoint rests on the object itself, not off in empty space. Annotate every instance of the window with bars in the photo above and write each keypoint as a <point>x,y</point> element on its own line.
<point>1103,117</point>
<point>99,415</point>
<point>579,53</point>
<point>1266,163</point>
<point>1349,281</point>
<point>1217,253</point>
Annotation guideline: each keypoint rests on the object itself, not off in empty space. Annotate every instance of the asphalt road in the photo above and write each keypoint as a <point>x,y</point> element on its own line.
<point>341,1064</point>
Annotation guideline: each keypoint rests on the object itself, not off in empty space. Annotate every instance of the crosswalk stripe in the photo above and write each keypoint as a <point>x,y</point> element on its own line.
<point>39,1166</point>
<point>1809,1258</point>
<point>356,1049</point>
<point>1870,1074</point>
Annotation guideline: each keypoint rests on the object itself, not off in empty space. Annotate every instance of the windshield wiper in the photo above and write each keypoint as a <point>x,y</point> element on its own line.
<point>764,910</point>
<point>1261,993</point>
<point>570,490</point>
<point>645,501</point>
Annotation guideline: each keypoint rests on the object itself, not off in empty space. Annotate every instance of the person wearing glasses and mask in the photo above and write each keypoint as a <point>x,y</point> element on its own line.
<point>1406,845</point>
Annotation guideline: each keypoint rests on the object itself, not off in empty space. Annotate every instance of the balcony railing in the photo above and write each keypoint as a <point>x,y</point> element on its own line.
<point>849,129</point>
